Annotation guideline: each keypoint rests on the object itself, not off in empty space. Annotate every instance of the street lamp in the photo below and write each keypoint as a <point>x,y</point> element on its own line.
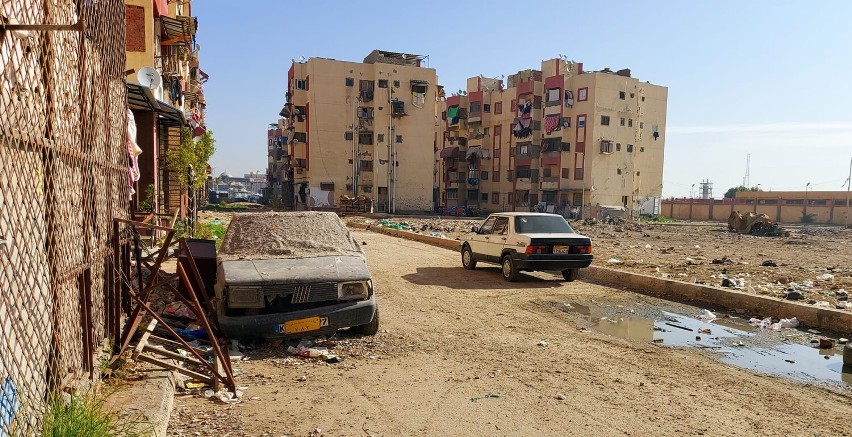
<point>690,190</point>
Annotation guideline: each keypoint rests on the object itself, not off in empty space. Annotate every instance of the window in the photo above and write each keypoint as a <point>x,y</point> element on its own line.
<point>622,121</point>
<point>581,121</point>
<point>365,138</point>
<point>638,173</point>
<point>444,115</point>
<point>301,84</point>
<point>399,138</point>
<point>381,138</point>
<point>486,107</point>
<point>365,113</point>
<point>348,136</point>
<point>383,83</point>
<point>475,107</point>
<point>514,105</point>
<point>566,173</point>
<point>524,171</point>
<point>473,195</point>
<point>522,149</point>
<point>510,198</point>
<point>641,149</point>
<point>483,175</point>
<point>582,94</point>
<point>452,193</point>
<point>501,227</point>
<point>484,197</point>
<point>350,81</point>
<point>498,108</point>
<point>366,165</point>
<point>630,148</point>
<point>604,120</point>
<point>367,188</point>
<point>553,97</point>
<point>643,98</point>
<point>566,147</point>
<point>618,171</point>
<point>621,95</point>
<point>624,200</point>
<point>629,122</point>
<point>485,131</point>
<point>326,186</point>
<point>606,147</point>
<point>641,125</point>
<point>617,147</point>
<point>495,198</point>
<point>632,95</point>
<point>396,84</point>
<point>300,137</point>
<point>546,172</point>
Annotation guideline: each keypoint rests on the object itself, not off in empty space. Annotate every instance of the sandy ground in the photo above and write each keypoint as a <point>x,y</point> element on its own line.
<point>815,261</point>
<point>464,353</point>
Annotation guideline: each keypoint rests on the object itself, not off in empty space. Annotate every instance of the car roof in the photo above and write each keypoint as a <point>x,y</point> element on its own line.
<point>515,214</point>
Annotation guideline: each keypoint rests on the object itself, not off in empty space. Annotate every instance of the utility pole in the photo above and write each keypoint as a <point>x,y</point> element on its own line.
<point>848,184</point>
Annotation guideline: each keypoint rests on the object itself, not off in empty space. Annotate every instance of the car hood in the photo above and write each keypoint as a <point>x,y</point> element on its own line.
<point>295,270</point>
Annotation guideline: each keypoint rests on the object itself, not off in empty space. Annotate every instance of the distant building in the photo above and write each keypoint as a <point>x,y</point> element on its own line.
<point>823,207</point>
<point>352,128</point>
<point>553,139</point>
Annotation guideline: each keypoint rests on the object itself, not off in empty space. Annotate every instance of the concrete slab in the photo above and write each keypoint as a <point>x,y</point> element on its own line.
<point>149,400</point>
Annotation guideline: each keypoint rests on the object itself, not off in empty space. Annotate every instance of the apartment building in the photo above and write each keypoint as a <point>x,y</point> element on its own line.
<point>161,36</point>
<point>555,139</point>
<point>351,128</point>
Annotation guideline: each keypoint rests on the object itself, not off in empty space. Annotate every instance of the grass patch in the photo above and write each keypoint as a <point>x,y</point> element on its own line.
<point>228,207</point>
<point>86,416</point>
<point>658,219</point>
<point>214,230</point>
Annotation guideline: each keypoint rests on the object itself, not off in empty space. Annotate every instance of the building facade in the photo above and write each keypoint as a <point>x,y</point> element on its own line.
<point>556,139</point>
<point>161,36</point>
<point>351,129</point>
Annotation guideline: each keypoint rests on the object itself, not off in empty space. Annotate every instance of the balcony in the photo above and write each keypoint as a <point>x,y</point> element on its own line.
<point>549,183</point>
<point>170,59</point>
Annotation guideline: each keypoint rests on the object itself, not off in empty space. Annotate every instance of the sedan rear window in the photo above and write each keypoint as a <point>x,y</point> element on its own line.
<point>542,224</point>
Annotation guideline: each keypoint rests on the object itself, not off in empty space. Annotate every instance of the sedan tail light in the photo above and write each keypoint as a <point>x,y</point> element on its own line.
<point>583,249</point>
<point>535,249</point>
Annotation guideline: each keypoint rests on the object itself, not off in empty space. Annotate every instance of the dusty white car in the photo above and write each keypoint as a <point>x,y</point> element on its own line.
<point>525,241</point>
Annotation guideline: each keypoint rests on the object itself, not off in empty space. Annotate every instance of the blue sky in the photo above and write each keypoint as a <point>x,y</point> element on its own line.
<point>770,78</point>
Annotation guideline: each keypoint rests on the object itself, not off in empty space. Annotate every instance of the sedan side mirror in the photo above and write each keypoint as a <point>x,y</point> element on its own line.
<point>475,229</point>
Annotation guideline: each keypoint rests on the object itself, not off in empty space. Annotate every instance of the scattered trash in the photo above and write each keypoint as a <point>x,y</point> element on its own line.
<point>707,314</point>
<point>769,263</point>
<point>705,331</point>
<point>841,294</point>
<point>822,303</point>
<point>723,261</point>
<point>825,277</point>
<point>543,343</point>
<point>691,262</point>
<point>791,361</point>
<point>794,295</point>
<point>826,343</point>
<point>302,378</point>
<point>738,343</point>
<point>489,395</point>
<point>842,340</point>
<point>561,396</point>
<point>767,323</point>
<point>658,340</point>
<point>615,261</point>
<point>726,282</point>
<point>647,246</point>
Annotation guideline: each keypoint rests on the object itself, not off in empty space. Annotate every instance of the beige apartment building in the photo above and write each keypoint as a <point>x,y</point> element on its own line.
<point>553,139</point>
<point>351,128</point>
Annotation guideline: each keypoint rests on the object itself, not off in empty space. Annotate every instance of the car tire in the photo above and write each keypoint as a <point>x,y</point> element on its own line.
<point>370,328</point>
<point>468,261</point>
<point>508,269</point>
<point>571,275</point>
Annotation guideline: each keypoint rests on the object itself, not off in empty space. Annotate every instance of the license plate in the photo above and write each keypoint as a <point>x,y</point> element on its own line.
<point>561,249</point>
<point>303,325</point>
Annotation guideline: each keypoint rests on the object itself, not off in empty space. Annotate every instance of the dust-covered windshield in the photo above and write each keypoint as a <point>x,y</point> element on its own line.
<point>542,224</point>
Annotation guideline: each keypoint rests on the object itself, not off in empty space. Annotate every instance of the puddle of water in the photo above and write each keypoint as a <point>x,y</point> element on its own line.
<point>791,360</point>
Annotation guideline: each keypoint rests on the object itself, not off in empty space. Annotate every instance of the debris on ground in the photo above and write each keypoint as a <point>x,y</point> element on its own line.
<point>754,224</point>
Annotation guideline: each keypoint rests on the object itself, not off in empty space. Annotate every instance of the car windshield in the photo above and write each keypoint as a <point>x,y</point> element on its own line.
<point>542,224</point>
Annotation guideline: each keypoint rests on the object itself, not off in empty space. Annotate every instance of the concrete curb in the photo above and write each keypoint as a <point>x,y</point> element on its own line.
<point>821,318</point>
<point>149,399</point>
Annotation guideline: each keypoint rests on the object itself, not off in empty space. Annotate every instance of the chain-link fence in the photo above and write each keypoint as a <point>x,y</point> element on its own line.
<point>63,177</point>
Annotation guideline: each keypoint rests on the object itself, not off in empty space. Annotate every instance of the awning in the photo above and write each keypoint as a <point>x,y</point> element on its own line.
<point>177,29</point>
<point>140,98</point>
<point>449,152</point>
<point>478,151</point>
<point>170,116</point>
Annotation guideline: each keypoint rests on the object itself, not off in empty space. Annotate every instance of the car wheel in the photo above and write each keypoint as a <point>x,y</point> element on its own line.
<point>370,328</point>
<point>571,275</point>
<point>510,273</point>
<point>468,261</point>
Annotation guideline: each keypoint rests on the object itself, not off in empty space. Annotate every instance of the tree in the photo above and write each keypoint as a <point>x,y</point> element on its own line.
<point>192,154</point>
<point>732,192</point>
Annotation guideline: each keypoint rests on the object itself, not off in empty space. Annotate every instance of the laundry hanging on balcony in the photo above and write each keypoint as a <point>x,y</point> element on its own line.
<point>453,114</point>
<point>569,98</point>
<point>522,128</point>
<point>524,108</point>
<point>552,123</point>
<point>133,151</point>
<point>418,100</point>
<point>175,91</point>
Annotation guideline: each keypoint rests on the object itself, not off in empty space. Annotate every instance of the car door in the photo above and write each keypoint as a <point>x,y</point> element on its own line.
<point>497,239</point>
<point>480,240</point>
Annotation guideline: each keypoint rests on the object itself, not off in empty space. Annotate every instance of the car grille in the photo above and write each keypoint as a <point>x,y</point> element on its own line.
<point>304,293</point>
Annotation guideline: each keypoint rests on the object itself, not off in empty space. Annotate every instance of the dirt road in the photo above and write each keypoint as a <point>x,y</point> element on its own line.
<point>464,353</point>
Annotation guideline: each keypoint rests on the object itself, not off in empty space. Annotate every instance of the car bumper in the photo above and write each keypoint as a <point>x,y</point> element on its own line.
<point>268,326</point>
<point>552,262</point>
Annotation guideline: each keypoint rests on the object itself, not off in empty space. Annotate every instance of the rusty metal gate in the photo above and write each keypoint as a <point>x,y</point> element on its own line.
<point>63,178</point>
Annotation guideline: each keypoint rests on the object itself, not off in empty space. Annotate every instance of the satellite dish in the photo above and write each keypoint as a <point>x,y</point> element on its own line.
<point>149,78</point>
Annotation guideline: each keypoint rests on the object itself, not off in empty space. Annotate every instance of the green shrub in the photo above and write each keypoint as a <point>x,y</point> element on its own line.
<point>85,416</point>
